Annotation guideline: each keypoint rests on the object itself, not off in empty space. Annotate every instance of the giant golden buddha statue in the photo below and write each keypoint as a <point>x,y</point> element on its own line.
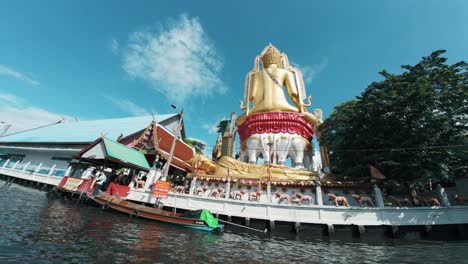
<point>264,88</point>
<point>271,128</point>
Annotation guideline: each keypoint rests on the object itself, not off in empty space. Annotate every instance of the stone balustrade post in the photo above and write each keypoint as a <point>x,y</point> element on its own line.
<point>442,195</point>
<point>228,189</point>
<point>269,192</point>
<point>378,196</point>
<point>318,193</point>
<point>192,185</point>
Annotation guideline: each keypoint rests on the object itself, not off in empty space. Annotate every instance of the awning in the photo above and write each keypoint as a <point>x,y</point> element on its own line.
<point>106,149</point>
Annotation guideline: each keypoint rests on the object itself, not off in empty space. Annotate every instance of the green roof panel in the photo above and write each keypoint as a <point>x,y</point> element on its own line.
<point>129,155</point>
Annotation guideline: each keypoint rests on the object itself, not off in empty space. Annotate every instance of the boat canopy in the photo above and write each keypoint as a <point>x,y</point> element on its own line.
<point>109,150</point>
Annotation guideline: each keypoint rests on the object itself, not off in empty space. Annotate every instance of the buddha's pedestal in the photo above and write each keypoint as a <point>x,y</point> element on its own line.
<point>276,136</point>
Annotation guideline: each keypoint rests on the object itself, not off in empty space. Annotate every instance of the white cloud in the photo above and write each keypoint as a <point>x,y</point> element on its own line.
<point>10,99</point>
<point>211,129</point>
<point>310,72</point>
<point>13,112</point>
<point>115,46</point>
<point>27,118</point>
<point>178,60</point>
<point>128,106</point>
<point>17,75</point>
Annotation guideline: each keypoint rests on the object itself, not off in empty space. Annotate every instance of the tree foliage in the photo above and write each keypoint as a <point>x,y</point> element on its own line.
<point>410,125</point>
<point>196,144</point>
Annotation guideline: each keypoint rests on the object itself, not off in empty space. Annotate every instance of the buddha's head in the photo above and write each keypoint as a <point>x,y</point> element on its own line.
<point>270,55</point>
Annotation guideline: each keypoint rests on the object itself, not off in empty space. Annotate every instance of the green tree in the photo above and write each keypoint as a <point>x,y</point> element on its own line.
<point>195,143</point>
<point>410,125</point>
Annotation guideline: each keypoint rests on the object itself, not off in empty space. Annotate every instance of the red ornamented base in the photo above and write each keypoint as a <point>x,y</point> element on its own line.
<point>276,122</point>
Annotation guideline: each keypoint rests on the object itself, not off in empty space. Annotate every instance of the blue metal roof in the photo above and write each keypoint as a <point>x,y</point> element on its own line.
<point>84,131</point>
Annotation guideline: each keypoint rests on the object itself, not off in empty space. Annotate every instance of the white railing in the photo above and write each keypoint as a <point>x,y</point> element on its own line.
<point>33,172</point>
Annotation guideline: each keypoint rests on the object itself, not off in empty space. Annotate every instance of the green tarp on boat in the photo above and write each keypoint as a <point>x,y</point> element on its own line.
<point>204,215</point>
<point>210,220</point>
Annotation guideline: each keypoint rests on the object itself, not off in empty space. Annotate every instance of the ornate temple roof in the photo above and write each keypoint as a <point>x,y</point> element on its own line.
<point>158,138</point>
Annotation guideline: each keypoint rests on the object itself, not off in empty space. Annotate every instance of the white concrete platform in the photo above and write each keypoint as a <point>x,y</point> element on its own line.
<point>327,215</point>
<point>293,213</point>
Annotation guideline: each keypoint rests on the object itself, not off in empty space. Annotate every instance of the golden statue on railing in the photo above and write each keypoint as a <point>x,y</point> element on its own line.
<point>264,87</point>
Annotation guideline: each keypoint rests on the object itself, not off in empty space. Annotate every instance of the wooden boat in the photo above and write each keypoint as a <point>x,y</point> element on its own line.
<point>201,220</point>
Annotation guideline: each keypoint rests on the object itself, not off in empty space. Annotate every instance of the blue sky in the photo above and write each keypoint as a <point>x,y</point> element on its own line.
<point>106,59</point>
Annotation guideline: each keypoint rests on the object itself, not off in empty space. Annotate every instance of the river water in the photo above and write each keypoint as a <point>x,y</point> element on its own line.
<point>34,229</point>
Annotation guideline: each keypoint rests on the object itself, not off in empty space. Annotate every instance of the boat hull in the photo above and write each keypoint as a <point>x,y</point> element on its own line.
<point>149,212</point>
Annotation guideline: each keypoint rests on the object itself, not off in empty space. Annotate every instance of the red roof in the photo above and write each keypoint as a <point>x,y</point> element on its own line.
<point>162,140</point>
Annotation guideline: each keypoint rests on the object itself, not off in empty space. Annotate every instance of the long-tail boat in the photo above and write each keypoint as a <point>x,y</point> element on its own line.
<point>201,219</point>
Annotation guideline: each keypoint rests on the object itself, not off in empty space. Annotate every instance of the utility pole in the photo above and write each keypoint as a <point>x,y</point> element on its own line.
<point>171,153</point>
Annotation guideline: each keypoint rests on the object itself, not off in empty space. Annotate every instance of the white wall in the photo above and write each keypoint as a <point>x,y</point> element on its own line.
<point>42,156</point>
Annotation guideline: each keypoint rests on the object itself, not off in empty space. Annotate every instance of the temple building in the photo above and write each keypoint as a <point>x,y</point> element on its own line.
<point>49,149</point>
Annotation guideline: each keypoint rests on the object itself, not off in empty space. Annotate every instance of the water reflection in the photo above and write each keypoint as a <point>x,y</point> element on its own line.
<point>34,229</point>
